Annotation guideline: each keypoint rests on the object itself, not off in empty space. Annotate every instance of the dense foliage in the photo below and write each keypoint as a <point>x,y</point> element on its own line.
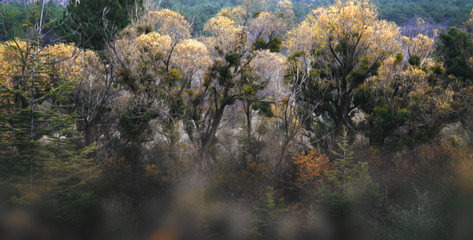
<point>446,12</point>
<point>451,12</point>
<point>97,21</point>
<point>13,19</point>
<point>263,125</point>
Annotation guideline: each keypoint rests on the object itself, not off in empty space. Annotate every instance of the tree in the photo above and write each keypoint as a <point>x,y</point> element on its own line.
<point>156,64</point>
<point>92,23</point>
<point>334,51</point>
<point>408,106</point>
<point>456,51</point>
<point>344,158</point>
<point>93,95</point>
<point>13,17</point>
<point>38,133</point>
<point>313,169</point>
<point>230,77</point>
<point>266,214</point>
<point>419,49</point>
<point>285,9</point>
<point>398,103</point>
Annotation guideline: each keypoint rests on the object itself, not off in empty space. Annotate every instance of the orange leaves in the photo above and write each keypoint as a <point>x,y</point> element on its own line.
<point>313,168</point>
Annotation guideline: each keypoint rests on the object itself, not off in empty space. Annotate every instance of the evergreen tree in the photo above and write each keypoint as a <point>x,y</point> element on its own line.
<point>345,156</point>
<point>91,23</point>
<point>456,49</point>
<point>266,214</point>
<point>39,144</point>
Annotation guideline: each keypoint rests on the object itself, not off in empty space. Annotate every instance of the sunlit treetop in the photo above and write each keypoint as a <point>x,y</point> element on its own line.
<point>301,38</point>
<point>57,66</point>
<point>267,25</point>
<point>144,56</point>
<point>285,10</point>
<point>190,56</point>
<point>153,45</point>
<point>420,47</point>
<point>225,31</point>
<point>66,60</point>
<point>353,23</point>
<point>69,61</point>
<point>167,22</point>
<point>236,14</point>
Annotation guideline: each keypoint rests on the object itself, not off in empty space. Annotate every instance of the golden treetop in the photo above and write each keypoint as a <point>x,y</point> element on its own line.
<point>236,14</point>
<point>286,10</point>
<point>225,31</point>
<point>152,44</point>
<point>167,22</point>
<point>421,46</point>
<point>266,24</point>
<point>190,56</point>
<point>350,23</point>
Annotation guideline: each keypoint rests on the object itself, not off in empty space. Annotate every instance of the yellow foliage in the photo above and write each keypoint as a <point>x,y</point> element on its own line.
<point>286,11</point>
<point>69,61</point>
<point>151,170</point>
<point>266,24</point>
<point>152,45</point>
<point>387,72</point>
<point>303,37</point>
<point>143,56</point>
<point>225,31</point>
<point>236,14</point>
<point>190,56</point>
<point>352,23</point>
<point>421,46</point>
<point>60,62</point>
<point>167,22</point>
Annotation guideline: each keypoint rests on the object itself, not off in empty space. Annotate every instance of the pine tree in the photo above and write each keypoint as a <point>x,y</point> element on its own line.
<point>350,176</point>
<point>38,138</point>
<point>345,156</point>
<point>266,214</point>
<point>91,23</point>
